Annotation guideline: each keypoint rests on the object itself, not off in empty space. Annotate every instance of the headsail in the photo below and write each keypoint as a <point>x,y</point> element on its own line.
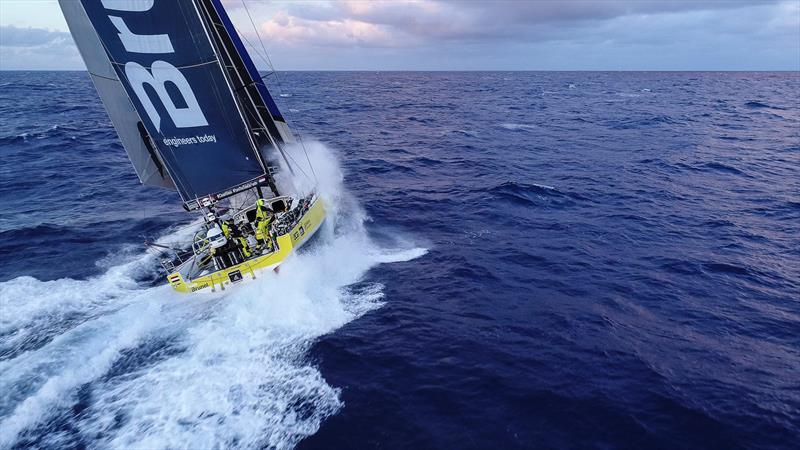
<point>147,165</point>
<point>165,59</point>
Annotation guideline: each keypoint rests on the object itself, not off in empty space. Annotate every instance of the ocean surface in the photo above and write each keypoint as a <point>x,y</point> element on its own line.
<point>513,260</point>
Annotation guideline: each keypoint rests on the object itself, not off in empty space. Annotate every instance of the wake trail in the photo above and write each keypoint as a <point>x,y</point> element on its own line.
<point>151,368</point>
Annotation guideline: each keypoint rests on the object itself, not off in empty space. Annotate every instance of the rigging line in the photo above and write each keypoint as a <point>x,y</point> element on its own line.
<point>254,115</point>
<point>103,77</point>
<point>219,46</point>
<point>222,46</point>
<point>178,67</point>
<point>285,151</point>
<point>278,83</point>
<point>299,166</point>
<point>255,50</point>
<point>258,35</point>
<point>253,47</point>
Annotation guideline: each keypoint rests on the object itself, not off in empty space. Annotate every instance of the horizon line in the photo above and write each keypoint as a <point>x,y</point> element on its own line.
<point>467,70</point>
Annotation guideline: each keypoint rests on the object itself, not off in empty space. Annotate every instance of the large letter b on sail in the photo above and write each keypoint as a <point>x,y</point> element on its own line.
<point>164,72</point>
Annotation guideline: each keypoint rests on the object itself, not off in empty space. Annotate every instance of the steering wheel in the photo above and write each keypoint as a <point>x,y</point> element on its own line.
<point>200,243</point>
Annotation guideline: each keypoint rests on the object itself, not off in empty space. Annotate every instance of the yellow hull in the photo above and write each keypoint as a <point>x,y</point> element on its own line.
<point>299,235</point>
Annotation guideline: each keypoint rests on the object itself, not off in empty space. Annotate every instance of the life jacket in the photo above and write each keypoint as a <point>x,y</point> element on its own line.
<point>226,230</point>
<point>245,247</point>
<point>262,230</point>
<point>262,213</point>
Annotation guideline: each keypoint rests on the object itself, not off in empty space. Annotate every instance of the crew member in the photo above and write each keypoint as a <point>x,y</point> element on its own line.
<point>217,242</point>
<point>262,211</point>
<point>226,228</point>
<point>244,247</point>
<point>264,218</point>
<point>237,237</point>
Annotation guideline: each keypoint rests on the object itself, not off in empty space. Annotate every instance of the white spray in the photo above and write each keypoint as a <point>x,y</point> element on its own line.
<point>236,376</point>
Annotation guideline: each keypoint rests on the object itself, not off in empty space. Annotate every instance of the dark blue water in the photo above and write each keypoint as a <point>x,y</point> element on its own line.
<point>613,261</point>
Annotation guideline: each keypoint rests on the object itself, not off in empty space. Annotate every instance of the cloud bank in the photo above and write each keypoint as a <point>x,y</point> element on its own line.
<point>398,23</point>
<point>493,35</point>
<point>534,35</point>
<point>36,48</point>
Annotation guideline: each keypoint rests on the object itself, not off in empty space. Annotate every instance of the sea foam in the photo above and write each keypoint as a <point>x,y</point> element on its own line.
<point>158,369</point>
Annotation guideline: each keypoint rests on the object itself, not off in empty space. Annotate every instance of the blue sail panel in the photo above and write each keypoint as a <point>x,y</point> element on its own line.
<point>247,61</point>
<point>167,64</point>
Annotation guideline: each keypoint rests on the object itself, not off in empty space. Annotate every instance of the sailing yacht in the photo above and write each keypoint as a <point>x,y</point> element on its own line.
<point>195,116</point>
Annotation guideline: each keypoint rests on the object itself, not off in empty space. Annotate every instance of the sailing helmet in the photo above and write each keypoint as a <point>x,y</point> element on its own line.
<point>216,238</point>
<point>260,202</point>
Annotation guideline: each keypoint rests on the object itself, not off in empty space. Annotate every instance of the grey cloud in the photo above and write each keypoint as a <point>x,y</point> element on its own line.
<point>542,11</point>
<point>543,34</point>
<point>11,36</point>
<point>449,34</point>
<point>500,19</point>
<point>37,48</point>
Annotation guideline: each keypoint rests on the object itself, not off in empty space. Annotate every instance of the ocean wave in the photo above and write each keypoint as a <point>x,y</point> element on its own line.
<point>759,105</point>
<point>518,126</point>
<point>723,168</point>
<point>563,249</point>
<point>533,194</point>
<point>640,122</point>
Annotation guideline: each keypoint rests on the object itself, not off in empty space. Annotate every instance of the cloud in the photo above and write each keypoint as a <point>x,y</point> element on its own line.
<point>11,36</point>
<point>37,48</point>
<point>527,35</point>
<point>474,35</point>
<point>290,29</point>
<point>418,22</point>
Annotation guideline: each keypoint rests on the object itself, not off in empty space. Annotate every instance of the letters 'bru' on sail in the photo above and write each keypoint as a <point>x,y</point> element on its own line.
<point>183,94</point>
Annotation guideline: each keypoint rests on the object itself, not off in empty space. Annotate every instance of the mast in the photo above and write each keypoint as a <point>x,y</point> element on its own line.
<point>250,87</point>
<point>230,88</point>
<point>246,100</point>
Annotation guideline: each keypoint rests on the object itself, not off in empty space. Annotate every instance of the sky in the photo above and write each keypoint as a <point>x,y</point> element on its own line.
<point>467,35</point>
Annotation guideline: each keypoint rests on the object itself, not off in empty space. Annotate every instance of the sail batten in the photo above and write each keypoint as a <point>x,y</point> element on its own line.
<point>164,63</point>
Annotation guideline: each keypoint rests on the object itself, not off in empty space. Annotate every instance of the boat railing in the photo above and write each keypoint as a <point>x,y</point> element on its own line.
<point>169,257</point>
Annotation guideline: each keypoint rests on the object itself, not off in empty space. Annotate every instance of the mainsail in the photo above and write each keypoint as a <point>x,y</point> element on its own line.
<point>173,60</point>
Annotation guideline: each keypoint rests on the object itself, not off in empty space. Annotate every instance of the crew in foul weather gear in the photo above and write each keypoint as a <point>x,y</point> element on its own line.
<point>262,212</point>
<point>243,246</point>
<point>264,217</point>
<point>217,243</point>
<point>262,231</point>
<point>226,229</point>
